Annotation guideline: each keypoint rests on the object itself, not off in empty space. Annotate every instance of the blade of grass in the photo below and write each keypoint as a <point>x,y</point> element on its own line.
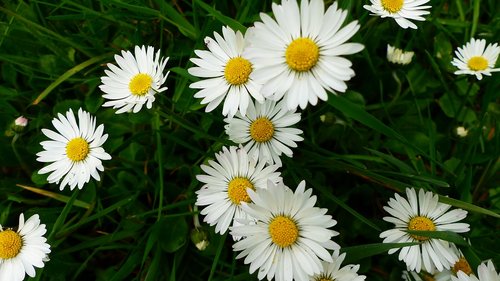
<point>234,24</point>
<point>56,196</point>
<point>356,253</point>
<point>217,256</point>
<point>67,75</point>
<point>467,206</point>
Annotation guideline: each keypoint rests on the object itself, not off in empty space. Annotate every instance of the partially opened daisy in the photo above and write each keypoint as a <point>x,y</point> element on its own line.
<point>396,55</point>
<point>474,59</point>
<point>486,272</point>
<point>23,249</point>
<point>333,272</point>
<point>289,237</point>
<point>402,11</point>
<point>298,55</point>
<point>228,74</point>
<point>444,275</point>
<point>74,151</point>
<point>135,81</point>
<point>226,183</point>
<point>265,130</point>
<point>423,213</point>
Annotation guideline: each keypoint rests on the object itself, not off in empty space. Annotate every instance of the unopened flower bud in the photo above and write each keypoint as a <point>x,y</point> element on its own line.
<point>199,237</point>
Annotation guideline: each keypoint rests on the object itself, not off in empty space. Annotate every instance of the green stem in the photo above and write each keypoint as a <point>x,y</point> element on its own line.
<point>159,154</point>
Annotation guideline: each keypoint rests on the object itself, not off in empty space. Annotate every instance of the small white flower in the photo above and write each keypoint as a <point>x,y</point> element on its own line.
<point>298,56</point>
<point>485,271</point>
<point>74,151</point>
<point>333,272</point>
<point>462,132</point>
<point>402,11</point>
<point>226,183</point>
<point>423,213</point>
<point>229,74</point>
<point>135,81</point>
<point>22,250</point>
<point>21,121</point>
<point>289,236</point>
<point>474,59</point>
<point>396,55</point>
<point>444,275</point>
<point>265,130</point>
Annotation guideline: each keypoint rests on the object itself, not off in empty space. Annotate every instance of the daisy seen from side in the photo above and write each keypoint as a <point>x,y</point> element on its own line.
<point>485,272</point>
<point>298,56</point>
<point>475,58</point>
<point>266,130</point>
<point>75,151</point>
<point>225,185</point>
<point>333,272</point>
<point>396,55</point>
<point>289,237</point>
<point>135,80</point>
<point>402,11</point>
<point>423,213</point>
<point>23,250</point>
<point>227,75</point>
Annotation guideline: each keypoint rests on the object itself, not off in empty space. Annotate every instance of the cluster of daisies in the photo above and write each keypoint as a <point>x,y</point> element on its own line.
<point>262,77</point>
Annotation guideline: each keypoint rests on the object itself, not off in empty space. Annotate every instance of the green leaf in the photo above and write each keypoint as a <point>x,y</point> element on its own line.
<point>467,206</point>
<point>173,233</point>
<point>443,235</point>
<point>356,253</point>
<point>234,24</point>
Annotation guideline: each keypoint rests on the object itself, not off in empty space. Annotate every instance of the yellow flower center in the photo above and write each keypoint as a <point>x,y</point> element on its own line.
<point>140,84</point>
<point>477,63</point>
<point>261,129</point>
<point>284,231</point>
<point>237,71</point>
<point>302,54</point>
<point>77,149</point>
<point>10,244</point>
<point>422,224</point>
<point>324,278</point>
<point>237,190</point>
<point>462,265</point>
<point>392,6</point>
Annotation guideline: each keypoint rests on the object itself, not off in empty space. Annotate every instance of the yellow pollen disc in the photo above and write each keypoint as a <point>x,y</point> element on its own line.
<point>237,190</point>
<point>10,244</point>
<point>477,63</point>
<point>392,6</point>
<point>462,265</point>
<point>140,84</point>
<point>77,149</point>
<point>324,278</point>
<point>422,224</point>
<point>261,129</point>
<point>237,71</point>
<point>302,54</point>
<point>283,231</point>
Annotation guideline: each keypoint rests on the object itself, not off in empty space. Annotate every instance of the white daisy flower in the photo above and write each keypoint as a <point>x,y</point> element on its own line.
<point>226,183</point>
<point>485,271</point>
<point>228,73</point>
<point>265,130</point>
<point>427,214</point>
<point>396,55</point>
<point>474,59</point>
<point>402,11</point>
<point>332,271</point>
<point>289,236</point>
<point>22,250</point>
<point>298,56</point>
<point>444,275</point>
<point>135,81</point>
<point>74,151</point>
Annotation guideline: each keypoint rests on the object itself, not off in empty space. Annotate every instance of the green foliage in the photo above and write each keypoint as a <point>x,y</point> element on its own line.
<point>395,127</point>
